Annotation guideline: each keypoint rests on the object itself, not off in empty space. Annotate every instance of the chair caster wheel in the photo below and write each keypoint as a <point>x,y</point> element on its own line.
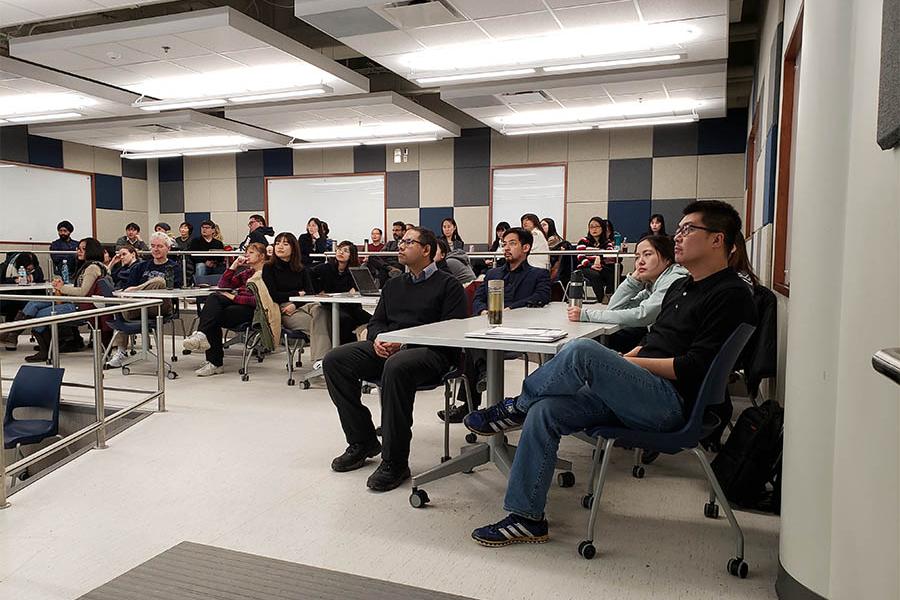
<point>299,364</point>
<point>174,358</point>
<point>305,385</point>
<point>586,550</point>
<point>23,475</point>
<point>245,378</point>
<point>587,501</point>
<point>738,567</point>
<point>711,510</point>
<point>126,371</point>
<point>378,431</point>
<point>171,375</point>
<point>566,479</point>
<point>132,352</point>
<point>637,472</point>
<point>185,352</point>
<point>259,359</point>
<point>471,438</point>
<point>241,371</point>
<point>418,499</point>
<point>291,382</point>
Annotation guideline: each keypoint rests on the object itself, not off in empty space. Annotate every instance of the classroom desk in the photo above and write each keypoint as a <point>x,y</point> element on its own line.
<point>6,288</point>
<point>451,334</point>
<point>335,300</point>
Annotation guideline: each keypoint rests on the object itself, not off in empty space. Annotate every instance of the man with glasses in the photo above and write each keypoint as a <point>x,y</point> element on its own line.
<point>422,295</point>
<point>204,265</point>
<point>653,387</point>
<point>258,231</point>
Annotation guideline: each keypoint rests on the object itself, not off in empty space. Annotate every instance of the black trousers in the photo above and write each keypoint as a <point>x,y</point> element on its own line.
<point>602,282</point>
<point>351,317</point>
<point>218,312</point>
<point>348,365</point>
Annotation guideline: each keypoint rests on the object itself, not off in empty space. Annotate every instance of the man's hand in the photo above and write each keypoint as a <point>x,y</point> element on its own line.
<point>574,313</point>
<point>386,349</point>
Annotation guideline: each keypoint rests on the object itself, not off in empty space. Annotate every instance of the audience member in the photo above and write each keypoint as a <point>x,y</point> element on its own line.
<point>496,247</point>
<point>423,295</point>
<point>592,266</point>
<point>398,228</point>
<point>653,387</point>
<point>376,242</point>
<point>206,242</point>
<point>258,232</point>
<point>183,241</point>
<point>532,224</point>
<point>131,238</point>
<point>656,226</point>
<point>454,262</point>
<point>10,274</point>
<point>226,309</point>
<point>333,277</point>
<point>313,241</point>
<point>560,266</point>
<point>163,227</point>
<point>450,234</point>
<point>120,266</point>
<point>64,242</point>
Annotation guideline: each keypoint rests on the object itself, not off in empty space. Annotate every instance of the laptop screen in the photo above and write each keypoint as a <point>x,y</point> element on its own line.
<point>363,279</point>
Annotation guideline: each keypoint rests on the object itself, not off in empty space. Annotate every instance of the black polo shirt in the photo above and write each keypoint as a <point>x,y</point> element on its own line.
<point>697,317</point>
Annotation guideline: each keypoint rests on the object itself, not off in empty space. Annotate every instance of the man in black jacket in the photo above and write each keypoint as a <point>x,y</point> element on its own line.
<point>422,295</point>
<point>258,231</point>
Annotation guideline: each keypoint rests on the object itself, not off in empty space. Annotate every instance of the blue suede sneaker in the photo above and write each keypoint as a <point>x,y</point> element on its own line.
<point>512,530</point>
<point>495,419</point>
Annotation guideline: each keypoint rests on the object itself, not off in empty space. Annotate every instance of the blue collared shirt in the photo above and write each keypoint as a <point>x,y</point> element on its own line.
<point>427,272</point>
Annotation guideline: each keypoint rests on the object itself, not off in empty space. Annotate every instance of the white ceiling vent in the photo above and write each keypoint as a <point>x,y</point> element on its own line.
<point>411,14</point>
<point>522,98</point>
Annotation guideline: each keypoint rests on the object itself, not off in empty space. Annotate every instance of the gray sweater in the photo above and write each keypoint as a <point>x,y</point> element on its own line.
<point>634,304</point>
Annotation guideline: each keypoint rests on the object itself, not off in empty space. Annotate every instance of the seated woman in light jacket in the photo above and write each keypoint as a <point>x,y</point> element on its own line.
<point>637,301</point>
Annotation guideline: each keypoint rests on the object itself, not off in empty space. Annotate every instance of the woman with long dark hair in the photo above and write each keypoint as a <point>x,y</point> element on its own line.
<point>333,277</point>
<point>656,225</point>
<point>740,262</point>
<point>560,266</point>
<point>313,241</point>
<point>450,232</point>
<point>592,266</point>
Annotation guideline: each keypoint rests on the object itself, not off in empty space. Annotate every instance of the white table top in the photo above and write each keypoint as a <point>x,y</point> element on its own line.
<point>337,299</point>
<point>13,287</point>
<point>451,334</point>
<point>163,293</point>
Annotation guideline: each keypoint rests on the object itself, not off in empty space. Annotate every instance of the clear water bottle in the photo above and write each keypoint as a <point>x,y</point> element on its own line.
<point>64,271</point>
<point>618,240</point>
<point>23,276</point>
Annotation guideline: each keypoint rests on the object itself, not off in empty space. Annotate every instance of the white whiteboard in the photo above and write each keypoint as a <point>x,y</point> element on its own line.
<point>351,204</point>
<point>538,190</point>
<point>34,200</point>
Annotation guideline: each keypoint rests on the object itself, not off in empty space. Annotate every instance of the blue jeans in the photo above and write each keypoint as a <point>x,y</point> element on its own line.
<point>45,309</point>
<point>202,270</point>
<point>585,385</point>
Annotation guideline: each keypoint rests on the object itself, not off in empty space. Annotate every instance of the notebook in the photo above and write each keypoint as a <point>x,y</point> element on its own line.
<point>524,334</point>
<point>365,283</point>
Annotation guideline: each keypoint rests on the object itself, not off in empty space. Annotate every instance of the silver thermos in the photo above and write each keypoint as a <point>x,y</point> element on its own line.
<point>575,290</point>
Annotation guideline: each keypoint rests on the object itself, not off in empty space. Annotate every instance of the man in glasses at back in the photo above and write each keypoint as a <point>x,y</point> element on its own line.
<point>653,387</point>
<point>424,294</point>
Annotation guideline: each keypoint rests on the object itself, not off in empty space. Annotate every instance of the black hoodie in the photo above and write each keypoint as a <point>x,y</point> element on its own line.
<point>259,235</point>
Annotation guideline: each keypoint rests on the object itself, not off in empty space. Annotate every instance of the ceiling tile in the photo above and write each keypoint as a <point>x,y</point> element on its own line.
<point>168,47</point>
<point>479,9</point>
<point>158,68</point>
<point>382,44</point>
<point>112,76</point>
<point>210,62</point>
<point>259,57</point>
<point>112,54</point>
<point>224,39</point>
<point>66,61</point>
<point>349,22</point>
<point>608,13</point>
<point>674,10</point>
<point>517,26</point>
<point>454,33</point>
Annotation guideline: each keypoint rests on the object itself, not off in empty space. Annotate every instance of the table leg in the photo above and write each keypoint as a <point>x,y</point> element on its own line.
<point>335,325</point>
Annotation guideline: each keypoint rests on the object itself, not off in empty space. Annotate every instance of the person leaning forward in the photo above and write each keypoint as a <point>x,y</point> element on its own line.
<point>422,295</point>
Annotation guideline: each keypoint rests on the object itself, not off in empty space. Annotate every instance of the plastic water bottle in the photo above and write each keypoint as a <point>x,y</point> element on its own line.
<point>64,271</point>
<point>23,276</point>
<point>618,240</point>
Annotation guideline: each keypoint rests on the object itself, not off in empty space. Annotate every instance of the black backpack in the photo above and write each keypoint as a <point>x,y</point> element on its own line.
<point>749,465</point>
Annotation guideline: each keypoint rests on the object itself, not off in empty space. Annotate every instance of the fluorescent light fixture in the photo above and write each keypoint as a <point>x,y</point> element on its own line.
<point>401,140</point>
<point>617,124</point>
<point>210,151</point>
<point>52,117</point>
<point>334,144</point>
<point>591,114</point>
<point>363,132</point>
<point>142,155</point>
<point>186,144</point>
<point>577,44</point>
<point>615,63</point>
<point>473,76</point>
<point>157,106</point>
<point>27,104</point>
<point>2,120</point>
<point>282,95</point>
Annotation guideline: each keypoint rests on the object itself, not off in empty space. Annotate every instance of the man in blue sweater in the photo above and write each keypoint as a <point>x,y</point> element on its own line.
<point>424,294</point>
<point>524,285</point>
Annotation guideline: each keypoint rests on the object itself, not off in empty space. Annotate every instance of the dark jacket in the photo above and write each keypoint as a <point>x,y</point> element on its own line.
<point>198,244</point>
<point>283,283</point>
<point>145,270</point>
<point>258,235</point>
<point>310,246</point>
<point>525,285</point>
<point>327,278</point>
<point>59,244</point>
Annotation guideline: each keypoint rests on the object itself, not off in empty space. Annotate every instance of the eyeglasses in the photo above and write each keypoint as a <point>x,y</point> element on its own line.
<point>686,229</point>
<point>408,242</point>
<point>342,250</point>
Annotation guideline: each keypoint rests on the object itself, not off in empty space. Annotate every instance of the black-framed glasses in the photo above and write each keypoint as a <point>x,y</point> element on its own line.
<point>406,242</point>
<point>686,229</point>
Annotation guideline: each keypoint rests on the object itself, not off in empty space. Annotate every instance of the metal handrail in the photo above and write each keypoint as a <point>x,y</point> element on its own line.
<point>99,426</point>
<point>887,362</point>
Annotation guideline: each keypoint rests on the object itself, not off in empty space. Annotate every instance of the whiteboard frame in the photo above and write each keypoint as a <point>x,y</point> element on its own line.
<point>565,165</point>
<point>320,176</point>
<point>58,169</point>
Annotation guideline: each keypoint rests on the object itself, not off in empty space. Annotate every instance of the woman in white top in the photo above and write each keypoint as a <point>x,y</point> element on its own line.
<point>531,222</point>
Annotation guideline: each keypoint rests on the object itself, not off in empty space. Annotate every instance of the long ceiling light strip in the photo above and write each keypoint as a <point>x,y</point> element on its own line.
<point>281,95</point>
<point>174,153</point>
<point>616,124</point>
<point>363,142</point>
<point>159,105</point>
<point>473,76</point>
<point>50,117</point>
<point>614,63</point>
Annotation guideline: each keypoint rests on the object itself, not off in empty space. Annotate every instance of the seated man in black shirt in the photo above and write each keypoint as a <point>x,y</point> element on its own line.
<point>652,387</point>
<point>422,295</point>
<point>207,265</point>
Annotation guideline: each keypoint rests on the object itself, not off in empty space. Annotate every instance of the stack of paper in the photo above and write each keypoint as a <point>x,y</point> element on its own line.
<point>525,334</point>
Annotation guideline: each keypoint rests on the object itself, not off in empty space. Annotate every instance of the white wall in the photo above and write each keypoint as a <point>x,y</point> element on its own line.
<point>840,531</point>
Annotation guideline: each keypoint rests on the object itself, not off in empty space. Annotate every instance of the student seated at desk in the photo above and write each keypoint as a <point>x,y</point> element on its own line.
<point>524,285</point>
<point>226,309</point>
<point>637,301</point>
<point>120,266</point>
<point>9,273</point>
<point>652,387</point>
<point>454,262</point>
<point>285,276</point>
<point>207,242</point>
<point>423,295</point>
<point>90,267</point>
<point>131,238</point>
<point>333,277</point>
<point>65,242</point>
<point>147,274</point>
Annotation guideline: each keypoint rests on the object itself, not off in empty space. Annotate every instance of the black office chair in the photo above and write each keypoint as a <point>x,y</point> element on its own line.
<point>712,392</point>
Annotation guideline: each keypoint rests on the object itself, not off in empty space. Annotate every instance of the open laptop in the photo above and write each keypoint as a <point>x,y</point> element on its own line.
<point>365,283</point>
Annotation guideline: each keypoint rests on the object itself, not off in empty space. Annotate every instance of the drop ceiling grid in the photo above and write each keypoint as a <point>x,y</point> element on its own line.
<point>15,12</point>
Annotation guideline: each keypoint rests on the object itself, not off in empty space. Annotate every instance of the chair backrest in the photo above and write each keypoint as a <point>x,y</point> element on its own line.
<point>105,287</point>
<point>712,390</point>
<point>35,387</point>
<point>470,290</point>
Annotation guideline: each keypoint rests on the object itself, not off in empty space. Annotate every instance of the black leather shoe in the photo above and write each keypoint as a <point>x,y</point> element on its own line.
<point>355,456</point>
<point>457,413</point>
<point>387,476</point>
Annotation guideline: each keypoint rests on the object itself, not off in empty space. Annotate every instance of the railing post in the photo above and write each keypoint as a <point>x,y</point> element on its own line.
<point>98,388</point>
<point>54,343</point>
<point>184,281</point>
<point>161,361</point>
<point>4,503</point>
